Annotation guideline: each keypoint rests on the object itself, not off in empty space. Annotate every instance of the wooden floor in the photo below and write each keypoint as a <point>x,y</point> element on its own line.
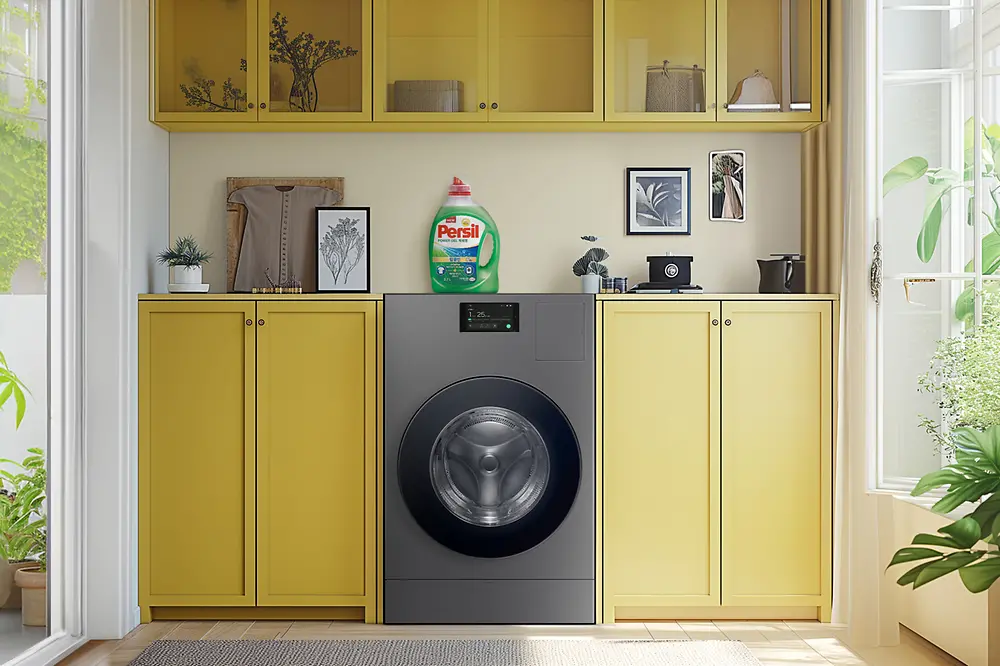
<point>773,643</point>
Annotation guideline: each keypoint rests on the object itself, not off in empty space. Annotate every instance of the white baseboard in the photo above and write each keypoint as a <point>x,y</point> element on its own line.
<point>136,618</point>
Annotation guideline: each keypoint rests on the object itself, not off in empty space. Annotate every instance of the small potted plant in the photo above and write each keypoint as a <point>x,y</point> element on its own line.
<point>186,258</point>
<point>24,529</point>
<point>589,268</point>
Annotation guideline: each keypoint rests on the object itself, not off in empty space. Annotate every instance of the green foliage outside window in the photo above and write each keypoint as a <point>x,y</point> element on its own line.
<point>23,152</point>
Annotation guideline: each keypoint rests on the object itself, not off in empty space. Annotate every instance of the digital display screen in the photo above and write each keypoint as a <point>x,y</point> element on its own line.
<point>488,318</point>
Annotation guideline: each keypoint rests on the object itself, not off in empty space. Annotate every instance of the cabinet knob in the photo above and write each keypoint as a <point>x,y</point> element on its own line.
<point>482,105</point>
<point>263,105</point>
<point>260,322</point>
<point>729,322</point>
<point>725,105</point>
<point>249,322</point>
<point>494,105</point>
<point>250,105</point>
<point>715,322</point>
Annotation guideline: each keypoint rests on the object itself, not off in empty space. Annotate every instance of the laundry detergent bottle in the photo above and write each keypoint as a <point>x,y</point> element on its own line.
<point>456,245</point>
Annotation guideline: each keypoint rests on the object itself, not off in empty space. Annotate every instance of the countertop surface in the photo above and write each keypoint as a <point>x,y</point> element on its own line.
<point>601,297</point>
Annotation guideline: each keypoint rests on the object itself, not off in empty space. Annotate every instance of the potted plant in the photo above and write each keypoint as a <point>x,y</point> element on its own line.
<point>186,258</point>
<point>589,268</point>
<point>26,537</point>
<point>13,553</point>
<point>965,376</point>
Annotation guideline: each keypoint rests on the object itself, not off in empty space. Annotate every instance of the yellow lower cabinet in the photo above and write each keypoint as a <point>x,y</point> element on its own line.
<point>661,457</point>
<point>316,429</point>
<point>776,454</point>
<point>196,454</point>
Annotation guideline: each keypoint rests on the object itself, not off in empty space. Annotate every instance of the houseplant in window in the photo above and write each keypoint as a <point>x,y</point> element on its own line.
<point>27,536</point>
<point>186,258</point>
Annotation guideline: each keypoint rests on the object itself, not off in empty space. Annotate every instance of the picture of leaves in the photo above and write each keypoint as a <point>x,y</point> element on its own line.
<point>343,249</point>
<point>728,191</point>
<point>199,93</point>
<point>305,56</point>
<point>658,201</point>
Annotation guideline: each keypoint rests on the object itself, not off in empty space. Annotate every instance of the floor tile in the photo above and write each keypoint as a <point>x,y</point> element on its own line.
<point>227,631</point>
<point>702,631</point>
<point>191,631</point>
<point>266,630</point>
<point>666,631</point>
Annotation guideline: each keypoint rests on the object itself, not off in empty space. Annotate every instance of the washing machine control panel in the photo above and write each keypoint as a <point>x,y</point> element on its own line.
<point>488,317</point>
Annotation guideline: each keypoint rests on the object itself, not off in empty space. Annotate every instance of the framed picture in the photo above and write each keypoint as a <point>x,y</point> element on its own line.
<point>658,201</point>
<point>343,250</point>
<point>728,202</point>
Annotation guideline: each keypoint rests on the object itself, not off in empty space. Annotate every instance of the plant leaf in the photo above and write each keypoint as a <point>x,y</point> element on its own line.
<point>907,171</point>
<point>910,576</point>
<point>935,540</point>
<point>910,554</point>
<point>930,230</point>
<point>965,531</point>
<point>962,493</point>
<point>980,577</point>
<point>941,477</point>
<point>944,566</point>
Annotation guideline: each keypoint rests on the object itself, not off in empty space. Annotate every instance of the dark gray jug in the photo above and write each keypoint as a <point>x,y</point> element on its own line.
<point>786,275</point>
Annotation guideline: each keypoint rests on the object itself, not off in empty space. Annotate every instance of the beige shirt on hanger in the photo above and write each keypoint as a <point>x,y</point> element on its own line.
<point>280,234</point>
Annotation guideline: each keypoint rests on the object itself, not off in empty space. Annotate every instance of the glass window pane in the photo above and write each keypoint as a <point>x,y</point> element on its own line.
<point>927,39</point>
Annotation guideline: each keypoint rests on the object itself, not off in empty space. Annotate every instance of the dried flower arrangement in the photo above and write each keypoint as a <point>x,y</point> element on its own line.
<point>305,55</point>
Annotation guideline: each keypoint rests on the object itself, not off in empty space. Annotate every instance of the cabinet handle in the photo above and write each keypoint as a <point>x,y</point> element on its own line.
<point>715,322</point>
<point>249,322</point>
<point>482,105</point>
<point>260,322</point>
<point>263,105</point>
<point>729,322</point>
<point>250,105</point>
<point>494,106</point>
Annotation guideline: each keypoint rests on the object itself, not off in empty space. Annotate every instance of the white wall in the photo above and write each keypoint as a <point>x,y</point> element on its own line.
<point>23,341</point>
<point>544,190</point>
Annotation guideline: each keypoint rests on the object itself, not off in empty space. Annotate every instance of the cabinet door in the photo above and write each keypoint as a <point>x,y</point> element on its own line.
<point>776,453</point>
<point>196,454</point>
<point>661,456</point>
<point>315,60</point>
<point>546,60</point>
<point>660,60</point>
<point>431,60</point>
<point>315,454</point>
<point>771,60</point>
<point>205,60</point>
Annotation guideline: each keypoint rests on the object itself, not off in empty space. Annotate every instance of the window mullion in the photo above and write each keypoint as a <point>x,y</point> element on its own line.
<point>977,190</point>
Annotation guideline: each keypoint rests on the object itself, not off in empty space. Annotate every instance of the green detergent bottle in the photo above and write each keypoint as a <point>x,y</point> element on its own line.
<point>456,245</point>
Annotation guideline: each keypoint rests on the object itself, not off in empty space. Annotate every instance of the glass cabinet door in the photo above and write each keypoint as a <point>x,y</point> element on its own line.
<point>769,52</point>
<point>315,60</point>
<point>660,60</point>
<point>431,60</point>
<point>205,60</point>
<point>546,60</point>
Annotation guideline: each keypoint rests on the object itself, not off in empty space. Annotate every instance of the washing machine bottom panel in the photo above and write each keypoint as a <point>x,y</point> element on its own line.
<point>489,602</point>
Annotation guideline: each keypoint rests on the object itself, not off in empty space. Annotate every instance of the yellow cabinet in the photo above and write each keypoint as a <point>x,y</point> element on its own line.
<point>196,454</point>
<point>315,60</point>
<point>716,437</point>
<point>205,60</point>
<point>315,476</point>
<point>661,456</point>
<point>488,60</point>
<point>776,453</point>
<point>257,448</point>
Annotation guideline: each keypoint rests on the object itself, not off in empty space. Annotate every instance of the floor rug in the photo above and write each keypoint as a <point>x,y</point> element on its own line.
<point>469,652</point>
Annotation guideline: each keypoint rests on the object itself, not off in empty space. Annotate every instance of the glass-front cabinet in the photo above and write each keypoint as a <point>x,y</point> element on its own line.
<point>315,60</point>
<point>770,64</point>
<point>660,60</point>
<point>205,60</point>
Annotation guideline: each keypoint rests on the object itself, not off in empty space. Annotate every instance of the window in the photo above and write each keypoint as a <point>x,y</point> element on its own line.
<point>938,227</point>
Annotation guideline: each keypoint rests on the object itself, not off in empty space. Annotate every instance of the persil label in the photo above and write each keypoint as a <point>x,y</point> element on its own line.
<point>459,232</point>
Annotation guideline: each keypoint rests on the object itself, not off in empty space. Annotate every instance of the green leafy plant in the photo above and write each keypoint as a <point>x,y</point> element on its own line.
<point>22,509</point>
<point>184,252</point>
<point>590,262</point>
<point>12,388</point>
<point>943,184</point>
<point>24,166</point>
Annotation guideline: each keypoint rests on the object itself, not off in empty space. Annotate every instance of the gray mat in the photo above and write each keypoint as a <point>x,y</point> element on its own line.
<point>487,652</point>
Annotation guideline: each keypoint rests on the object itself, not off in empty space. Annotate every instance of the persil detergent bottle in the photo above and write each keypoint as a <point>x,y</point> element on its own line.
<point>456,244</point>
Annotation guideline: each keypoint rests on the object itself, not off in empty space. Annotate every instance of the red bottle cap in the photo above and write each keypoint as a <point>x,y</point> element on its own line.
<point>459,189</point>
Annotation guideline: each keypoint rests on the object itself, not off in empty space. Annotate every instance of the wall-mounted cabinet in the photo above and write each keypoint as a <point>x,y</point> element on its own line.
<point>474,65</point>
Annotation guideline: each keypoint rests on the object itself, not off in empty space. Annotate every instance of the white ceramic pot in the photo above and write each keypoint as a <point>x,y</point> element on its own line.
<point>187,274</point>
<point>32,583</point>
<point>590,284</point>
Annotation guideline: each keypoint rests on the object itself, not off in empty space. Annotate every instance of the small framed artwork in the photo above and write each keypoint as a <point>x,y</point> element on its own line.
<point>728,202</point>
<point>658,201</point>
<point>343,250</point>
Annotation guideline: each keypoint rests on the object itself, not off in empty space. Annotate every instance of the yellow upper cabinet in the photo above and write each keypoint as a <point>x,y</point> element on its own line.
<point>205,63</point>
<point>431,60</point>
<point>315,60</point>
<point>771,60</point>
<point>660,60</point>
<point>546,60</point>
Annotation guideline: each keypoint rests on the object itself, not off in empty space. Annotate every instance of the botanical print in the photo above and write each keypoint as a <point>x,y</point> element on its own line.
<point>658,201</point>
<point>343,249</point>
<point>728,191</point>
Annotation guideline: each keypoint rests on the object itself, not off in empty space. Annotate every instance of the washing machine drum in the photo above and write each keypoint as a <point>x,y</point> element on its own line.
<point>489,467</point>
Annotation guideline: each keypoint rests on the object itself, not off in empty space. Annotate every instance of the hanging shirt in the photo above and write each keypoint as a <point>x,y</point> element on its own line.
<point>280,234</point>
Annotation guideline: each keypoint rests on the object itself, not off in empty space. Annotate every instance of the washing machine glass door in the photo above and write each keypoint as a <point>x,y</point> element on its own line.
<point>489,466</point>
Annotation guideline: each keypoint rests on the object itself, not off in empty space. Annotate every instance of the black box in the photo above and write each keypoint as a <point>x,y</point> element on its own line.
<point>670,271</point>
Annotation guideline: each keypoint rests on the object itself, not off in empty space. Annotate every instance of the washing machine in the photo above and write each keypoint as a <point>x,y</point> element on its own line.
<point>489,493</point>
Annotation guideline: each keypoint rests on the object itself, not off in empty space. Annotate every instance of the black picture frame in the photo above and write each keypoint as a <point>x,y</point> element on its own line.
<point>633,226</point>
<point>323,270</point>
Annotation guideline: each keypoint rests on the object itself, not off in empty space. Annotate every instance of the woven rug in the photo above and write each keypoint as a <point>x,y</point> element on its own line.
<point>489,652</point>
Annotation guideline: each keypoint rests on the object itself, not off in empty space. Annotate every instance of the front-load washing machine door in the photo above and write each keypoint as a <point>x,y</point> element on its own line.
<point>489,467</point>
